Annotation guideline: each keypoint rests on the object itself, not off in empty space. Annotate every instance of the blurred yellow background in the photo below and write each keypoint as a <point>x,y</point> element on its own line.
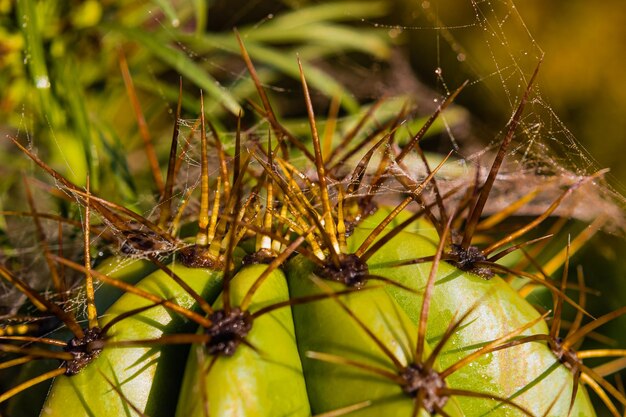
<point>585,65</point>
<point>582,76</point>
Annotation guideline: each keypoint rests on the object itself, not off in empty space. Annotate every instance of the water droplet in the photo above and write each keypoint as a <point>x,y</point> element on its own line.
<point>175,23</point>
<point>425,4</point>
<point>395,32</point>
<point>436,100</point>
<point>461,57</point>
<point>42,82</point>
<point>270,16</point>
<point>438,71</point>
<point>100,253</point>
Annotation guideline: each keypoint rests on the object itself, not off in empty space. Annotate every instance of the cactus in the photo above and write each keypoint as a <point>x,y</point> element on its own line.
<point>301,295</point>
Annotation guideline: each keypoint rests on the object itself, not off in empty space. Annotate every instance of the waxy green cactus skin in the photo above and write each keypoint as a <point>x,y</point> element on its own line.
<point>148,376</point>
<point>263,383</point>
<point>528,374</point>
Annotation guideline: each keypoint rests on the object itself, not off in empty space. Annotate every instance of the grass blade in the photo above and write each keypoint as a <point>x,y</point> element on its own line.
<point>182,63</point>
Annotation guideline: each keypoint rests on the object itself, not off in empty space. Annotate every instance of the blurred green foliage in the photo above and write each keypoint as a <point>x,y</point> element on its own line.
<point>581,77</point>
<point>62,84</point>
<point>584,73</point>
<point>62,90</point>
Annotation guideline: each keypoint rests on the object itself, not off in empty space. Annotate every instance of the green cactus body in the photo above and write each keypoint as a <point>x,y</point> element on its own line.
<point>130,271</point>
<point>325,327</point>
<point>528,374</point>
<point>123,269</point>
<point>266,382</point>
<point>269,381</point>
<point>148,376</point>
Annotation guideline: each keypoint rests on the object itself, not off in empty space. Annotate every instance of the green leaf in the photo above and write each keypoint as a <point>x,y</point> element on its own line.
<point>36,60</point>
<point>182,63</point>
<point>335,11</point>
<point>285,62</point>
<point>69,84</point>
<point>169,11</point>
<point>336,37</point>
<point>201,14</point>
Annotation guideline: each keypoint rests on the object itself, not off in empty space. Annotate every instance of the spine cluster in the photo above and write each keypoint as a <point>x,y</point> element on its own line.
<point>309,289</point>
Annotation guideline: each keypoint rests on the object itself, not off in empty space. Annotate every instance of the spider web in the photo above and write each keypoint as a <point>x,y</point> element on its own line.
<point>489,44</point>
<point>484,42</point>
